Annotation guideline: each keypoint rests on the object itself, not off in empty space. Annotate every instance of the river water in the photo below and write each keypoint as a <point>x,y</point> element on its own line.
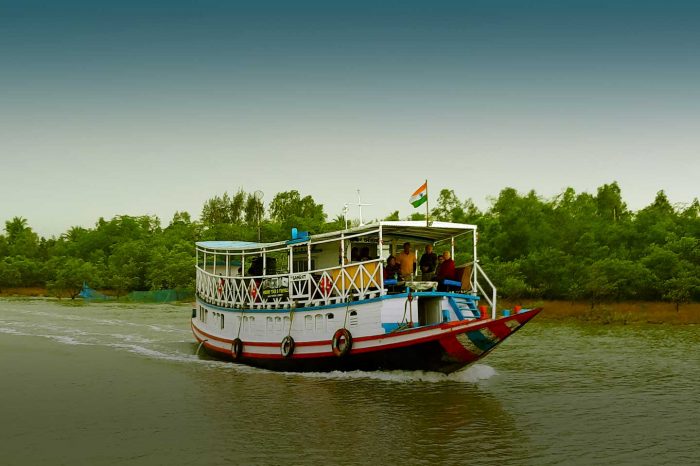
<point>121,384</point>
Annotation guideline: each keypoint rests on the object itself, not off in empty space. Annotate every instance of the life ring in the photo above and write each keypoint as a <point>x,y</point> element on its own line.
<point>237,348</point>
<point>341,342</point>
<point>325,285</point>
<point>287,346</point>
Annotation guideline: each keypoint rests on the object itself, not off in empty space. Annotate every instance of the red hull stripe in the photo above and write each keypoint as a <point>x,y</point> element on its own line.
<point>454,341</point>
<point>354,350</point>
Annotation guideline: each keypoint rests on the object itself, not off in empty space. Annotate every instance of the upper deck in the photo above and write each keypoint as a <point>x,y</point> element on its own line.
<point>317,270</point>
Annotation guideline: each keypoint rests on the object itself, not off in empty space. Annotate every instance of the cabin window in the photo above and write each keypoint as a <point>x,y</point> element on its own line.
<point>269,325</point>
<point>308,322</point>
<point>329,316</point>
<point>302,265</point>
<point>353,318</point>
<point>278,324</point>
<point>248,324</point>
<point>364,250</point>
<point>319,323</point>
<point>222,321</point>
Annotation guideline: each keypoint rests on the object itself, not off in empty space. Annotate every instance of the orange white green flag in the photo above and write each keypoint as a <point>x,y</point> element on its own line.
<point>420,196</point>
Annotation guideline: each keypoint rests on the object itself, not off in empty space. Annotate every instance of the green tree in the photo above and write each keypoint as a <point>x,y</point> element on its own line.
<point>71,273</point>
<point>519,225</point>
<point>289,209</point>
<point>9,275</point>
<point>617,279</point>
<point>508,278</point>
<point>21,240</point>
<point>224,209</point>
<point>171,268</point>
<point>609,202</point>
<point>393,216</point>
<point>450,209</point>
<point>681,288</point>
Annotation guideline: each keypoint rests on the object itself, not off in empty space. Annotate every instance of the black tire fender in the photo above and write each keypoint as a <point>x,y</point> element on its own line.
<point>236,348</point>
<point>287,346</point>
<point>339,348</point>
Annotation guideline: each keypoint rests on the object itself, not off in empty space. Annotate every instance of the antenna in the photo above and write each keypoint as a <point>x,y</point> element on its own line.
<point>345,214</point>
<point>359,206</point>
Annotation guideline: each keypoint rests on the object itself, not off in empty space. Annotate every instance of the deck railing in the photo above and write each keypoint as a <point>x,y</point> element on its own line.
<point>356,281</point>
<point>361,280</point>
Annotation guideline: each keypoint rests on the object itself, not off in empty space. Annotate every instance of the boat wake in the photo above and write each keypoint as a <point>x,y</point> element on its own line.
<point>184,351</point>
<point>157,335</point>
<point>471,374</point>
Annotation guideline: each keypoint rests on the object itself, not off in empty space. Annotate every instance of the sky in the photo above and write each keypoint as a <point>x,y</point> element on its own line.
<point>148,107</point>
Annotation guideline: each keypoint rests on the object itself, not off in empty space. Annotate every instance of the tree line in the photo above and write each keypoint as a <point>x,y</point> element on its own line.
<point>575,246</point>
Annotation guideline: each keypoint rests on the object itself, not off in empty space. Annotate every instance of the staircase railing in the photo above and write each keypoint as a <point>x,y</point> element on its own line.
<point>492,299</point>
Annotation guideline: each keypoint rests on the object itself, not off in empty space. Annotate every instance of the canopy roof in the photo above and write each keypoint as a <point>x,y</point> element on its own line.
<point>226,245</point>
<point>416,230</point>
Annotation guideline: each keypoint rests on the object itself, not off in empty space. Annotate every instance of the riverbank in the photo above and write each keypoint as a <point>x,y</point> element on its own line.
<point>642,312</point>
<point>156,296</point>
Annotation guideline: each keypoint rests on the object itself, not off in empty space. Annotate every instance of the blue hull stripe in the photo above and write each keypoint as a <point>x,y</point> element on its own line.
<point>480,340</point>
<point>330,306</point>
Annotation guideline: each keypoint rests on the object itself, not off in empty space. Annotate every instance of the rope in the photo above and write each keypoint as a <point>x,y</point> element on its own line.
<point>240,322</point>
<point>408,304</point>
<point>291,319</point>
<point>347,311</point>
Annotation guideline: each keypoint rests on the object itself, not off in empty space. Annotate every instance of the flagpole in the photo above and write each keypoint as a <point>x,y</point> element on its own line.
<point>427,203</point>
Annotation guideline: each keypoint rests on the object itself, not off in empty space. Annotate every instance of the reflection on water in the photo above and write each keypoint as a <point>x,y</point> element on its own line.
<point>101,384</point>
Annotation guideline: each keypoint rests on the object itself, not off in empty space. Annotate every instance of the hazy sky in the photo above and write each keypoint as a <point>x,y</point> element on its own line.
<point>145,107</point>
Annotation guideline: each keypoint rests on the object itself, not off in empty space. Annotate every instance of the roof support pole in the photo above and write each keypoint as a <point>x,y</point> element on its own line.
<point>380,247</point>
<point>475,268</point>
<point>342,250</point>
<point>308,256</point>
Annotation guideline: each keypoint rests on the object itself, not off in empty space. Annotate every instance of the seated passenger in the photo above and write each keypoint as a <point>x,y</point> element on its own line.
<point>446,271</point>
<point>256,267</point>
<point>364,254</point>
<point>392,269</point>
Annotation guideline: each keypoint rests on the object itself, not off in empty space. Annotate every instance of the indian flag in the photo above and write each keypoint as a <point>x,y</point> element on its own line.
<point>420,196</point>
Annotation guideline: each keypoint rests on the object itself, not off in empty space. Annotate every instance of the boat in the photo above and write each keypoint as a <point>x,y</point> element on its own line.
<point>310,303</point>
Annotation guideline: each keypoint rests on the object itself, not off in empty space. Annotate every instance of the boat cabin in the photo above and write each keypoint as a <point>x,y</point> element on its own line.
<point>330,268</point>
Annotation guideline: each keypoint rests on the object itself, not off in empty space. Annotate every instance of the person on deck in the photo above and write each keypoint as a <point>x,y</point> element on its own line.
<point>428,262</point>
<point>407,262</point>
<point>392,269</point>
<point>446,271</point>
<point>364,254</point>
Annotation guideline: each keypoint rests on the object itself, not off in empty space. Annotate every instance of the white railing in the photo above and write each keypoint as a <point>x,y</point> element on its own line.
<point>492,300</point>
<point>361,280</point>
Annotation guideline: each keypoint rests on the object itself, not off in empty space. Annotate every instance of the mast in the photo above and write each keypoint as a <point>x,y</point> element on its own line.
<point>427,203</point>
